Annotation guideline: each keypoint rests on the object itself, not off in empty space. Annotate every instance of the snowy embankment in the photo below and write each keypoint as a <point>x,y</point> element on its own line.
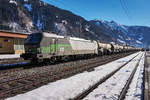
<point>111,88</point>
<point>9,56</point>
<point>73,86</point>
<point>135,88</point>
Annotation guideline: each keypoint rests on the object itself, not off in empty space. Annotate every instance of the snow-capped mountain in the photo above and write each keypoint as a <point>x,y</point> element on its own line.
<point>132,35</point>
<point>35,15</point>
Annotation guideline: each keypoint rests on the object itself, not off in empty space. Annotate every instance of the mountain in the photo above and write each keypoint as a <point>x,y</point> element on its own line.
<point>35,15</point>
<point>132,35</point>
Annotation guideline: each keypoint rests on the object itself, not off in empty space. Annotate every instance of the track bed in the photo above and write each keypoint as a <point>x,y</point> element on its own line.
<point>29,79</point>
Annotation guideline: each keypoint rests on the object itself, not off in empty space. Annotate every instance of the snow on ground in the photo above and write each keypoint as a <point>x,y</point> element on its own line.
<point>135,88</point>
<point>9,56</point>
<point>13,1</point>
<point>28,6</point>
<point>73,86</point>
<point>120,41</point>
<point>139,42</point>
<point>111,88</point>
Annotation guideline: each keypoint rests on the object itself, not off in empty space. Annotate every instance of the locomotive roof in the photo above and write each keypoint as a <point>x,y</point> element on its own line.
<point>58,36</point>
<point>52,35</point>
<point>79,39</point>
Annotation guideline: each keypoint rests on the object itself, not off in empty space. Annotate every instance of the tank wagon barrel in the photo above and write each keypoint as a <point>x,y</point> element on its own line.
<point>104,48</point>
<point>116,48</point>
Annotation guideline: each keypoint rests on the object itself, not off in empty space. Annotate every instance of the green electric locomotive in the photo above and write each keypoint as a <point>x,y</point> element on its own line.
<point>50,47</point>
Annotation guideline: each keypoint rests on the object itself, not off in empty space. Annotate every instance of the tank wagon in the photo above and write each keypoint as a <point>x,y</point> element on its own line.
<point>116,48</point>
<point>105,48</point>
<point>121,48</point>
<point>51,47</point>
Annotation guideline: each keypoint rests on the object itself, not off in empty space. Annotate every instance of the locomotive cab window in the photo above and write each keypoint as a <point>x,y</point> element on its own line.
<point>34,38</point>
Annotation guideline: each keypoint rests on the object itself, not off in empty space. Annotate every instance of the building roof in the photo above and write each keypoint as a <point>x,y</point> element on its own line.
<point>13,34</point>
<point>8,31</point>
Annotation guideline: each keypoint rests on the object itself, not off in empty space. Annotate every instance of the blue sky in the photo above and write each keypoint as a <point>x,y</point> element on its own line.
<point>138,11</point>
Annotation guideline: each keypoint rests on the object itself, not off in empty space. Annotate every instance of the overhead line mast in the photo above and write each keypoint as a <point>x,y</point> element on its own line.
<point>125,8</point>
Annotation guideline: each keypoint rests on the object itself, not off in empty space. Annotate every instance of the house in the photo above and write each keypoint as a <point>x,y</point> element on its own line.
<point>12,42</point>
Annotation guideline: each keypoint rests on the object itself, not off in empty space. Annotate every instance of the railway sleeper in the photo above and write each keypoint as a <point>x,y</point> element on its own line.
<point>86,92</point>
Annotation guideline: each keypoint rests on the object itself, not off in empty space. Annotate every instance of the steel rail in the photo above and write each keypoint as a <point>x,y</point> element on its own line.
<point>25,83</point>
<point>90,89</point>
<point>126,87</point>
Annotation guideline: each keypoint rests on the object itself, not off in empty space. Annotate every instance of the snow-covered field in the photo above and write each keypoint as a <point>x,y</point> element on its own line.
<point>9,56</point>
<point>73,86</point>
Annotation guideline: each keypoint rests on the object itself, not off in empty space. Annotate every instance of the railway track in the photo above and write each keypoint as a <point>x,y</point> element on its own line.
<point>12,65</point>
<point>10,61</point>
<point>28,79</point>
<point>95,86</point>
<point>147,77</point>
<point>126,87</point>
<point>7,71</point>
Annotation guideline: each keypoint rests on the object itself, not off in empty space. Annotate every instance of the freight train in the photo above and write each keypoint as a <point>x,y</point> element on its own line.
<point>50,47</point>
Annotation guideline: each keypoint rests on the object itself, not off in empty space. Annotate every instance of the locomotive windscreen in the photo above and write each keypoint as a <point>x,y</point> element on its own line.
<point>34,38</point>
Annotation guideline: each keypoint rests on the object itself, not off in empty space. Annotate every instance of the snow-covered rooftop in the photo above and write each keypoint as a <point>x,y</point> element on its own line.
<point>13,32</point>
